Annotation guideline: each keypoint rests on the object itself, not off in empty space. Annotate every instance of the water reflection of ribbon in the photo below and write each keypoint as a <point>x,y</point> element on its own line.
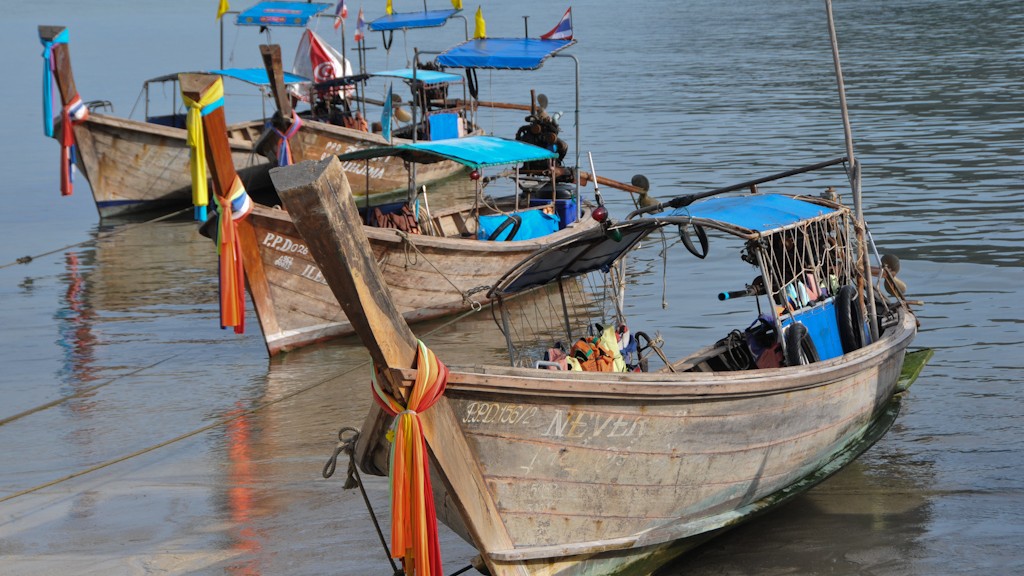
<point>241,495</point>
<point>76,335</point>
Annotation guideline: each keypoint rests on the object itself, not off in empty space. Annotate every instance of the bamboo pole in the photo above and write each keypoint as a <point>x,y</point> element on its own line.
<point>855,174</point>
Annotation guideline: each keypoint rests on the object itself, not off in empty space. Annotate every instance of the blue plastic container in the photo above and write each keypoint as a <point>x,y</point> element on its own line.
<point>565,208</point>
<point>822,327</point>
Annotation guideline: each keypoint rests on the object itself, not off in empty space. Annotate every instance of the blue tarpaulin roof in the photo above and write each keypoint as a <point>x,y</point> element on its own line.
<point>425,76</point>
<point>502,53</point>
<point>472,151</point>
<point>758,212</point>
<point>280,13</point>
<point>256,76</point>
<point>409,20</point>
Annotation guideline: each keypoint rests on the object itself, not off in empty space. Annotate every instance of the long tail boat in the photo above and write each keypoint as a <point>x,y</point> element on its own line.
<point>331,128</point>
<point>141,165</point>
<point>435,263</point>
<point>548,469</point>
<point>132,165</point>
<point>337,121</point>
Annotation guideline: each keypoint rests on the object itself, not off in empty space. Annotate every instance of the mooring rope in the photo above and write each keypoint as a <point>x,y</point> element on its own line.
<point>212,425</point>
<point>78,394</point>
<point>27,259</point>
<point>407,241</point>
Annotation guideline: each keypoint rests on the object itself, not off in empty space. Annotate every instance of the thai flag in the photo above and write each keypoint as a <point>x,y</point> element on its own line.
<point>562,30</point>
<point>340,13</point>
<point>360,24</point>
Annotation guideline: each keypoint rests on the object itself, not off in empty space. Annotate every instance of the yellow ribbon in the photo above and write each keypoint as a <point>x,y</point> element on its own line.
<point>210,101</point>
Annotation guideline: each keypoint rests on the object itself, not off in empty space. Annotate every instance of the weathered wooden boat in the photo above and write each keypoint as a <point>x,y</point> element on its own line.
<point>566,472</point>
<point>328,129</point>
<point>142,165</point>
<point>558,471</point>
<point>433,273</point>
<point>136,166</point>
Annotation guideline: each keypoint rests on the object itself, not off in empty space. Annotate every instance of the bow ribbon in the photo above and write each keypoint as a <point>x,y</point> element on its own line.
<point>413,515</point>
<point>235,206</point>
<point>212,100</point>
<point>73,113</point>
<point>284,149</point>
<point>48,69</point>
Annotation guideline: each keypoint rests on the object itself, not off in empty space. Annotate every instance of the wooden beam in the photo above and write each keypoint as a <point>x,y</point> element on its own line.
<point>319,199</point>
<point>215,132</point>
<point>275,74</point>
<point>62,64</point>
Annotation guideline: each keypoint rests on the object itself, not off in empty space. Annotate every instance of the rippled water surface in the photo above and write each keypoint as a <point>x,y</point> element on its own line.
<point>186,451</point>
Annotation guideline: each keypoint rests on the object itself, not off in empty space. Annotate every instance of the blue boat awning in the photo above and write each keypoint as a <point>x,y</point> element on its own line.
<point>256,76</point>
<point>269,13</point>
<point>472,151</point>
<point>425,76</point>
<point>502,53</point>
<point>759,212</point>
<point>410,20</point>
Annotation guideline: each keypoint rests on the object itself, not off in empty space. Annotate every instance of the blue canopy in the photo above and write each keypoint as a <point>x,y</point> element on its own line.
<point>502,53</point>
<point>472,151</point>
<point>425,76</point>
<point>271,13</point>
<point>409,20</point>
<point>756,212</point>
<point>256,76</point>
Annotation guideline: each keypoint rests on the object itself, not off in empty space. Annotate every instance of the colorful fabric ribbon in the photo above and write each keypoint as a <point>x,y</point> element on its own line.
<point>48,69</point>
<point>212,100</point>
<point>284,149</point>
<point>232,208</point>
<point>73,113</point>
<point>413,515</point>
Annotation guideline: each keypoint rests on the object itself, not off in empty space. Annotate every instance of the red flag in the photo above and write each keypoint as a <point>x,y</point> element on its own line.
<point>360,24</point>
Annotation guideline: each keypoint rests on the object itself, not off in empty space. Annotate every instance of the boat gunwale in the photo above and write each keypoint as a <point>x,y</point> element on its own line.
<point>645,387</point>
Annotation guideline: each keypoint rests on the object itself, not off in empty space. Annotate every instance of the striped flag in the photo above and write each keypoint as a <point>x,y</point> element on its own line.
<point>360,24</point>
<point>340,13</point>
<point>562,30</point>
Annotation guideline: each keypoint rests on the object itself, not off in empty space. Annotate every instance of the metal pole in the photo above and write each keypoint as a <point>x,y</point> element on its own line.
<point>579,207</point>
<point>854,180</point>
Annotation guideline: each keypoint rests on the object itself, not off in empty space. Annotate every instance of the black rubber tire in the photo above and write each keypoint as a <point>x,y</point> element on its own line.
<point>513,221</point>
<point>800,349</point>
<point>849,319</point>
<point>702,237</point>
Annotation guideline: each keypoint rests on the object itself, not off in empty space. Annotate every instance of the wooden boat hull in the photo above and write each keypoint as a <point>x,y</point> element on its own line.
<point>136,166</point>
<point>603,473</point>
<point>427,275</point>
<point>318,140</point>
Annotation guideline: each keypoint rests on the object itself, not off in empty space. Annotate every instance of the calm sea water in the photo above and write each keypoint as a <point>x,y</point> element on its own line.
<point>226,447</point>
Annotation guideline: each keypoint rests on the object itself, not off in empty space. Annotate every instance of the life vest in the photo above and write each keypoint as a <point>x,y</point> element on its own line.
<point>592,356</point>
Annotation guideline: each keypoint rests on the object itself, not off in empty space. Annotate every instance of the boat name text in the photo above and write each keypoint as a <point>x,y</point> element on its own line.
<point>282,244</point>
<point>564,423</point>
